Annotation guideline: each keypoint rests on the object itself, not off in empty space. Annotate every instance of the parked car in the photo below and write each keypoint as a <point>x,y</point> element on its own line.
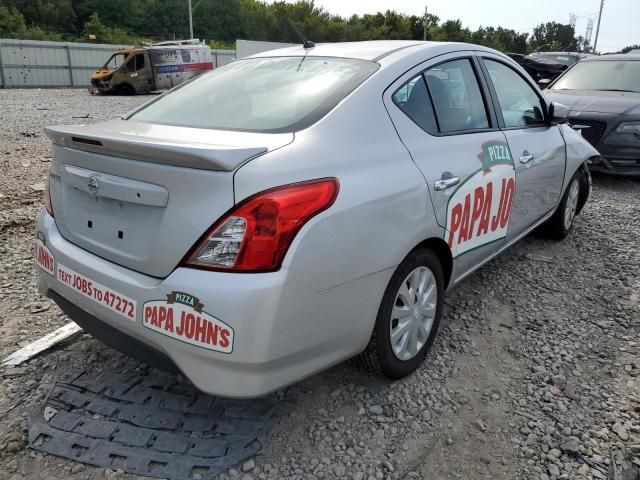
<point>294,209</point>
<point>544,67</point>
<point>603,94</point>
<point>156,67</point>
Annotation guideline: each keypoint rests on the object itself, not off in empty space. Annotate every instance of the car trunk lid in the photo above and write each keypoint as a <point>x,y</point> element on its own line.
<point>141,195</point>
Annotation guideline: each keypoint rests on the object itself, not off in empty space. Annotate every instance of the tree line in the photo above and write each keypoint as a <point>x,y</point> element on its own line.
<point>221,22</point>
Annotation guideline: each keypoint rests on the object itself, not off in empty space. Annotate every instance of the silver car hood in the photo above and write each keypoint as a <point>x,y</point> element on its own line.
<point>579,101</point>
<point>180,146</point>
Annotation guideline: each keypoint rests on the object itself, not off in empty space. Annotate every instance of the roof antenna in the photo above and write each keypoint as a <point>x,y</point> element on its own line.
<point>305,43</point>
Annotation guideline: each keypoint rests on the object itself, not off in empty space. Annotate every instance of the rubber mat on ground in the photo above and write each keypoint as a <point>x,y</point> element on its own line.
<point>151,426</point>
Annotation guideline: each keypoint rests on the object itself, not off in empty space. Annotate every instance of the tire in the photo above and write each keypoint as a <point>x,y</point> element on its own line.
<point>382,355</point>
<point>561,223</point>
<point>126,90</point>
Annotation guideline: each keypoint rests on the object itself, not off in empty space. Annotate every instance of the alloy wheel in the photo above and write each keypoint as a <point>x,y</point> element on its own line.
<point>572,204</point>
<point>413,313</point>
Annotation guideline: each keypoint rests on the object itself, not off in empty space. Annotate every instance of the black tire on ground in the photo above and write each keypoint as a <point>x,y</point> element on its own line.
<point>379,357</point>
<point>556,228</point>
<point>126,89</point>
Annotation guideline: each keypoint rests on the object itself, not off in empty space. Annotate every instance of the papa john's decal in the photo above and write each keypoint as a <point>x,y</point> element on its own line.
<point>478,211</point>
<point>44,257</point>
<point>180,316</point>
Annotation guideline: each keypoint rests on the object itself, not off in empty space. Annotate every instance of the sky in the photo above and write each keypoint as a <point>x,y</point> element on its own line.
<point>619,28</point>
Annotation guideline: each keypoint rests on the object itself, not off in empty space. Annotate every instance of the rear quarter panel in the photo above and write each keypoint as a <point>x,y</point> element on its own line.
<point>383,209</point>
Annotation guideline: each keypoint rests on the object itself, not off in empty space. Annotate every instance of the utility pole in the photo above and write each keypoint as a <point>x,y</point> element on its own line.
<point>191,22</point>
<point>425,23</point>
<point>595,42</point>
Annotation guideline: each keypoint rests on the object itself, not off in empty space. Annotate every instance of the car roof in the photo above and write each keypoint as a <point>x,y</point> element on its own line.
<point>618,56</point>
<point>369,50</point>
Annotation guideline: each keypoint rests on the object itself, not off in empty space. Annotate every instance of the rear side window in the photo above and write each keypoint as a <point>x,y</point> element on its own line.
<point>519,103</point>
<point>457,98</point>
<point>444,99</point>
<point>413,99</point>
<point>261,94</point>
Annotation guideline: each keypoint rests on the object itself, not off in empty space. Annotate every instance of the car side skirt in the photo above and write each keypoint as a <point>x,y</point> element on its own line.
<point>503,248</point>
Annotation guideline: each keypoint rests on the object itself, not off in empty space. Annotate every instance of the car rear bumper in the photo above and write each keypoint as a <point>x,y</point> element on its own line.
<point>113,337</point>
<point>282,330</point>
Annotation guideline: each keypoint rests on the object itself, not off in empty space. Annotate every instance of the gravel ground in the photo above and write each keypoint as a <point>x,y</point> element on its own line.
<point>534,375</point>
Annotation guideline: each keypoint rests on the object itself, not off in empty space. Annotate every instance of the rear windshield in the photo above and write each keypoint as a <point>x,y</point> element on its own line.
<point>612,75</point>
<point>260,95</point>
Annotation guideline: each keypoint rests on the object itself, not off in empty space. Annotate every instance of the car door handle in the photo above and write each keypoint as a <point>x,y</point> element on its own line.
<point>526,157</point>
<point>445,183</point>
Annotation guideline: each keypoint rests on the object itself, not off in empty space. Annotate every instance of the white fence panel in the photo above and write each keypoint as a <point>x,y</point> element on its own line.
<point>35,64</point>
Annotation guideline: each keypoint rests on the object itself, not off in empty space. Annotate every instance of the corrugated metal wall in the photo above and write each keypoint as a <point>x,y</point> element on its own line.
<point>222,57</point>
<point>30,63</point>
<point>246,48</point>
<point>35,64</point>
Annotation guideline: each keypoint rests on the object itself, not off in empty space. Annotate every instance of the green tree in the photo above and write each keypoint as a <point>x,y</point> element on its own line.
<point>95,31</point>
<point>418,27</point>
<point>386,26</point>
<point>257,20</point>
<point>11,22</point>
<point>554,36</point>
<point>501,39</point>
<point>112,13</point>
<point>13,25</point>
<point>221,22</point>
<point>453,31</point>
<point>50,15</point>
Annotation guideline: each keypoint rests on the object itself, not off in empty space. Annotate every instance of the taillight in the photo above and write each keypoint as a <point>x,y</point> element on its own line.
<point>47,195</point>
<point>256,234</point>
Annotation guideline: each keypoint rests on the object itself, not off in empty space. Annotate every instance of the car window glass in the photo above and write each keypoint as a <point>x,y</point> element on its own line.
<point>519,103</point>
<point>130,66</point>
<point>139,61</point>
<point>413,99</point>
<point>602,75</point>
<point>115,61</point>
<point>456,96</point>
<point>271,94</point>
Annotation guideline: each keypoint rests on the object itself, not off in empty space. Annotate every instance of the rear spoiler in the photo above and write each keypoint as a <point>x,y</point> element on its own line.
<point>132,145</point>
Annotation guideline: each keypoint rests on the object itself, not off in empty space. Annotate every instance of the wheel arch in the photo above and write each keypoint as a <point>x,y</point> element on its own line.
<point>443,252</point>
<point>126,88</point>
<point>585,184</point>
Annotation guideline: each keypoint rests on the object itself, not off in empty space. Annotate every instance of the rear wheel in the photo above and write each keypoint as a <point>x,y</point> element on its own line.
<point>408,317</point>
<point>126,89</point>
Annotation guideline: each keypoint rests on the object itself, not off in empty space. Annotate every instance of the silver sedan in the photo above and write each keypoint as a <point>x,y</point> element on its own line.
<point>303,206</point>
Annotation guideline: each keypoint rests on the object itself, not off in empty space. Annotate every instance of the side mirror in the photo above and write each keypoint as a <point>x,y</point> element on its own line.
<point>544,83</point>
<point>558,113</point>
